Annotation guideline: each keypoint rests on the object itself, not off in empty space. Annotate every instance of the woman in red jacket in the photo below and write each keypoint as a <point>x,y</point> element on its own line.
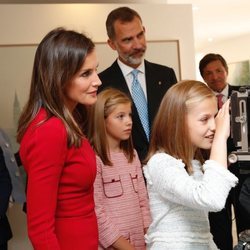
<point>55,153</point>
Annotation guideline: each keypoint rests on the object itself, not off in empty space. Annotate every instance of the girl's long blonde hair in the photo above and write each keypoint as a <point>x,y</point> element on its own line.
<point>107,101</point>
<point>170,132</point>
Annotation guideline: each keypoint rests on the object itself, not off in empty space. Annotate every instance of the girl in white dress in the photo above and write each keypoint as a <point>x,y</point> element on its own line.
<point>182,187</point>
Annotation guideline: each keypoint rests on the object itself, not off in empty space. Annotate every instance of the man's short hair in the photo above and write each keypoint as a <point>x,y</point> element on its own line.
<point>210,58</point>
<point>123,14</point>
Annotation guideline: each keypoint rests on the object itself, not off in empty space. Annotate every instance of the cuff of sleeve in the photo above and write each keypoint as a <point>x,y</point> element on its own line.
<point>110,239</point>
<point>211,164</point>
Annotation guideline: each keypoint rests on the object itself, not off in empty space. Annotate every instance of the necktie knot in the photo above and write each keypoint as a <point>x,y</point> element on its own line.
<point>135,73</point>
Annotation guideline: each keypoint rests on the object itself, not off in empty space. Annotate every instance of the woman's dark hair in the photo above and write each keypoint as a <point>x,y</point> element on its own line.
<point>59,56</point>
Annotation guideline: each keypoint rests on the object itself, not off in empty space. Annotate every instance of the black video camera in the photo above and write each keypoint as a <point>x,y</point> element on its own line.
<point>240,125</point>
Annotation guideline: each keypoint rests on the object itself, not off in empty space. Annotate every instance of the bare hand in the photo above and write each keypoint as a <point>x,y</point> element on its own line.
<point>219,146</point>
<point>222,121</point>
<point>123,244</point>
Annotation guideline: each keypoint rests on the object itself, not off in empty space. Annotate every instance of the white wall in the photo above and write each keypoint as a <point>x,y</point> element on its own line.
<point>27,24</point>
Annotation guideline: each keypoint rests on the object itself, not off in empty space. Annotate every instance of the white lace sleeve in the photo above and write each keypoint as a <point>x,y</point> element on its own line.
<point>167,176</point>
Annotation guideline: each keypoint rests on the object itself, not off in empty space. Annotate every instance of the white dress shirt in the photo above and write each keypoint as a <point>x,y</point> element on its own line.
<point>126,71</point>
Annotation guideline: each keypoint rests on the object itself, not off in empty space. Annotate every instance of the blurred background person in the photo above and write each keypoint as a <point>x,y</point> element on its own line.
<point>11,187</point>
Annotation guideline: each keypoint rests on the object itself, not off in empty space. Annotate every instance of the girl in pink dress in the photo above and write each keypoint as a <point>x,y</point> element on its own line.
<point>120,194</point>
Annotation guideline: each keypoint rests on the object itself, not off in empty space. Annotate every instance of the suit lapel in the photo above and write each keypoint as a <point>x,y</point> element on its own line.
<point>121,81</point>
<point>152,90</point>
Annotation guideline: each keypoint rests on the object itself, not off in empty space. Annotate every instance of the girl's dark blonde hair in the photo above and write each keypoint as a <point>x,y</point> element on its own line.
<point>170,131</point>
<point>59,56</point>
<point>107,101</point>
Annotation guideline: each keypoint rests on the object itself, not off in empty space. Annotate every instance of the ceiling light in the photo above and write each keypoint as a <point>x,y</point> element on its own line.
<point>195,8</point>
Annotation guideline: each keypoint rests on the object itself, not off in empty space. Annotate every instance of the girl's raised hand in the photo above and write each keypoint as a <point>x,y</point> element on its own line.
<point>219,146</point>
<point>222,121</point>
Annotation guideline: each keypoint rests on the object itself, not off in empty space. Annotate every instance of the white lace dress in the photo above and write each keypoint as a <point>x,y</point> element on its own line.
<point>179,203</point>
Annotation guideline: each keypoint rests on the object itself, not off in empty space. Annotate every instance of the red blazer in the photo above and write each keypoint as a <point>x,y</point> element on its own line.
<point>60,203</point>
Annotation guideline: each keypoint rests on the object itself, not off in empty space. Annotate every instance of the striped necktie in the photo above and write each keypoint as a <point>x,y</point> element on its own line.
<point>140,101</point>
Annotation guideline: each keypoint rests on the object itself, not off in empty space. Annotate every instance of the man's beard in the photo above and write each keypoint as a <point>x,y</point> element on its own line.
<point>130,59</point>
<point>134,61</point>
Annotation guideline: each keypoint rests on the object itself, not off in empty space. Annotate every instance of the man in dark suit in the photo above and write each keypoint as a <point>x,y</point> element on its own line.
<point>10,185</point>
<point>214,70</point>
<point>126,35</point>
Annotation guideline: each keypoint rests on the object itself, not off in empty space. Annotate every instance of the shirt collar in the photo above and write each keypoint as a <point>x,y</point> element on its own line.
<point>126,70</point>
<point>224,92</point>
